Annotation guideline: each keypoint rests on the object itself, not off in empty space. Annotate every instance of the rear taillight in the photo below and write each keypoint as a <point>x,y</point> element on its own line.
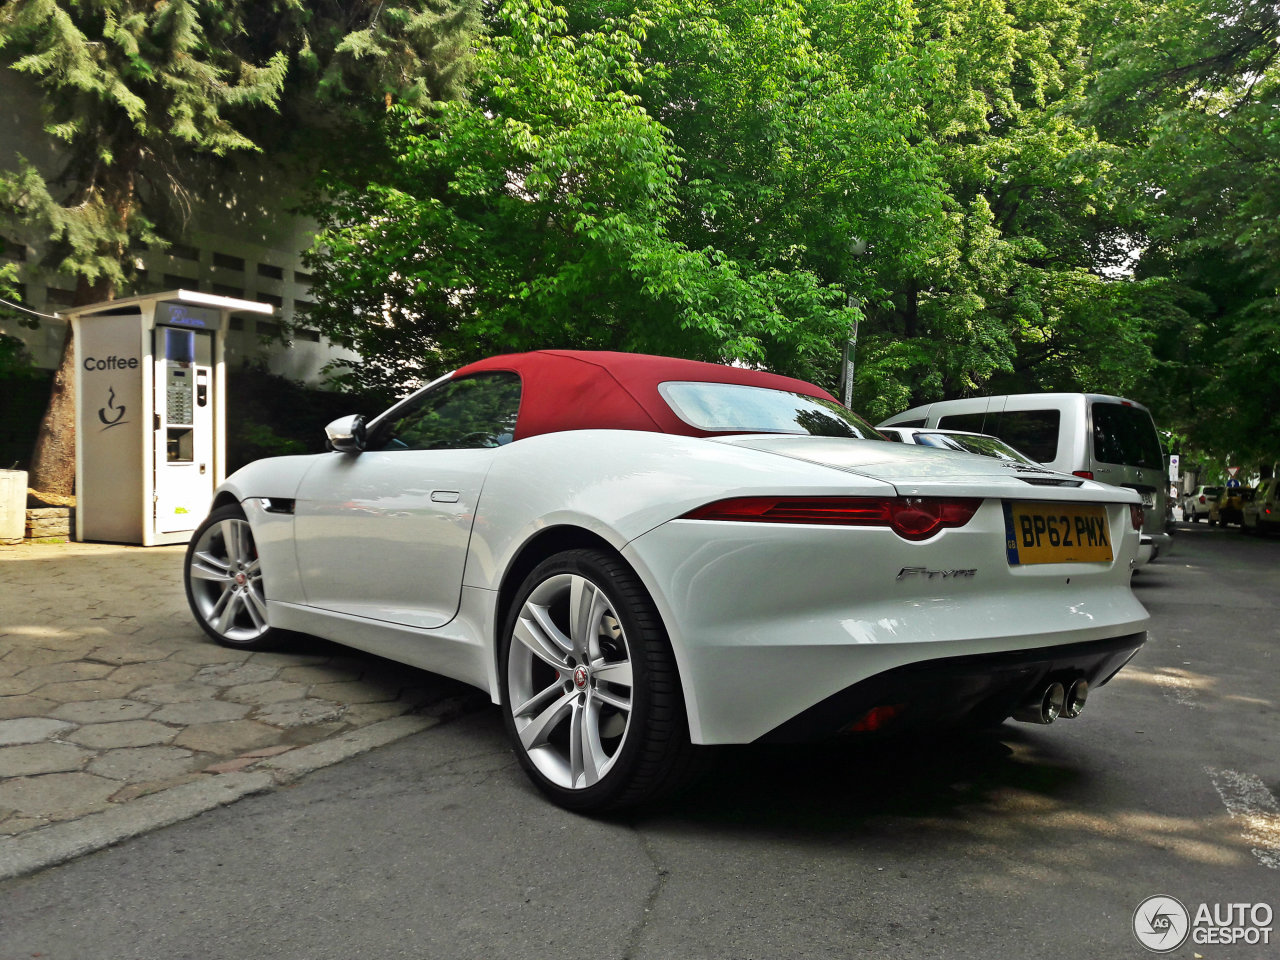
<point>1085,474</point>
<point>912,518</point>
<point>1136,515</point>
<point>1202,498</point>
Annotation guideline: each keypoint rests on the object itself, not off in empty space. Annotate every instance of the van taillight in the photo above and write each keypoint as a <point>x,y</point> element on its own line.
<point>1086,474</point>
<point>1135,515</point>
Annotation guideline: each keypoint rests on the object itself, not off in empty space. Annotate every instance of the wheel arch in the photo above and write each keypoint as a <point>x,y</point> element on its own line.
<point>546,543</point>
<point>223,498</point>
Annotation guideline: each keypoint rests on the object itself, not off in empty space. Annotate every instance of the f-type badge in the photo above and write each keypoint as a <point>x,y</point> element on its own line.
<point>118,412</point>
<point>935,574</point>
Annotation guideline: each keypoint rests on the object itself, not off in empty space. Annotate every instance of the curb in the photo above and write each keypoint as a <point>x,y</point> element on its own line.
<point>28,852</point>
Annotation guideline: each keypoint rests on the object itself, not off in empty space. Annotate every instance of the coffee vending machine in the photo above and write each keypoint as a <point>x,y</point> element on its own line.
<point>150,413</point>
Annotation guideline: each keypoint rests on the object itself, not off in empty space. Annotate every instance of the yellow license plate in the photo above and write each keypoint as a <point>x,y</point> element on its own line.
<point>1056,533</point>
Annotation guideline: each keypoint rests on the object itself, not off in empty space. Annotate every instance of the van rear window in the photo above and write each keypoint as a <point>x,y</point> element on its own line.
<point>1034,432</point>
<point>1125,435</point>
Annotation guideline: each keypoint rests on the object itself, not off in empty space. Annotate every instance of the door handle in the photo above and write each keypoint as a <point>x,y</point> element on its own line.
<point>445,496</point>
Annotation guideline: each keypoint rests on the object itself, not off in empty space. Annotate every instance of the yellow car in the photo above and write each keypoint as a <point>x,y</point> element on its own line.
<point>1229,507</point>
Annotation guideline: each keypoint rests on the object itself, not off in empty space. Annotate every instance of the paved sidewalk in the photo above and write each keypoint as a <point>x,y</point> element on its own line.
<point>118,714</point>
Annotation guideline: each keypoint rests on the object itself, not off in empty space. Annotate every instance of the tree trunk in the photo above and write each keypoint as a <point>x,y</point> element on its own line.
<point>53,461</point>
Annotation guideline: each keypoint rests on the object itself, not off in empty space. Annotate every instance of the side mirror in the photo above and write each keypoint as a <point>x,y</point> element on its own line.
<point>346,434</point>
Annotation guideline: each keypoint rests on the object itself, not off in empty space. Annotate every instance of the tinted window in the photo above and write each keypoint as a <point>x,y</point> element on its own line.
<point>1125,435</point>
<point>477,411</point>
<point>734,408</point>
<point>963,421</point>
<point>1034,432</point>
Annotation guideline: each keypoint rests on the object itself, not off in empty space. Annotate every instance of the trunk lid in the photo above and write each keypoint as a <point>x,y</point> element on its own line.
<point>927,471</point>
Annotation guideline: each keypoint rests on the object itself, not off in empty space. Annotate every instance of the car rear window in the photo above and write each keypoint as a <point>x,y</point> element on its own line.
<point>972,443</point>
<point>1125,435</point>
<point>735,408</point>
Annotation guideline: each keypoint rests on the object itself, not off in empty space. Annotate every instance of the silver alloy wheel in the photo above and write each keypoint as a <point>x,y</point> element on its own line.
<point>569,681</point>
<point>225,577</point>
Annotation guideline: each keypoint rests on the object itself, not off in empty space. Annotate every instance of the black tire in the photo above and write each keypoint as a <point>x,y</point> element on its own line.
<point>223,581</point>
<point>633,742</point>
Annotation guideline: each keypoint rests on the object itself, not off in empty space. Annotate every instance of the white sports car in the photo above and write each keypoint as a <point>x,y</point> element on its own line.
<point>635,554</point>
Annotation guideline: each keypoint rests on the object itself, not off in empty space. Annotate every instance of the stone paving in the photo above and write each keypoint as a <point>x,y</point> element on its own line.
<point>109,692</point>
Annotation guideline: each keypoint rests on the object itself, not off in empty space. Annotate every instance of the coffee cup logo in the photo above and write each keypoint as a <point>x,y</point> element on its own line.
<point>111,415</point>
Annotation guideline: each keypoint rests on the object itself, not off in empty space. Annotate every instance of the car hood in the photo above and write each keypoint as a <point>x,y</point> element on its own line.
<point>915,470</point>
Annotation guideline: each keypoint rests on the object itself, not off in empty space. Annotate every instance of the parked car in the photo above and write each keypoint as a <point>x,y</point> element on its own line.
<point>982,444</point>
<point>632,555</point>
<point>1090,435</point>
<point>1229,507</point>
<point>1261,512</point>
<point>1195,505</point>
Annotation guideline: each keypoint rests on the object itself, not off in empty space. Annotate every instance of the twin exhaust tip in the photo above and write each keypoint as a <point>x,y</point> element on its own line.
<point>1053,702</point>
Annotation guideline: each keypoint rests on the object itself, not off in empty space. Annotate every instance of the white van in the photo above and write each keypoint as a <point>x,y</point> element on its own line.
<point>1088,434</point>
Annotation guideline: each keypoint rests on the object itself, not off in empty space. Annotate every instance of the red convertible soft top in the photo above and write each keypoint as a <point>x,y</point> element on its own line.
<point>602,390</point>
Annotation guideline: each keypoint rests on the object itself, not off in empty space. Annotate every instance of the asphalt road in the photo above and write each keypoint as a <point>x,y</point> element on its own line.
<point>1027,842</point>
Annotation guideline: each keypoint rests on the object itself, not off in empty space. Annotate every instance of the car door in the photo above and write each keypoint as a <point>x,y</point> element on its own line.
<point>383,533</point>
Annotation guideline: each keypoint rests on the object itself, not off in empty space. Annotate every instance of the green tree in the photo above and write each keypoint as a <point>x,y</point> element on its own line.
<point>1192,88</point>
<point>543,211</point>
<point>927,158</point>
<point>801,129</point>
<point>136,93</point>
<point>13,355</point>
<point>1018,285</point>
<point>741,180</point>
